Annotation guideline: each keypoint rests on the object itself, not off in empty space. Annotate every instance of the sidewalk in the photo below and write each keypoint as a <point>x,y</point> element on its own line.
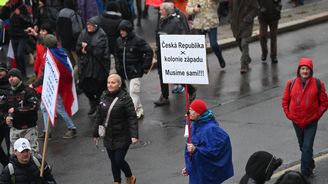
<point>291,19</point>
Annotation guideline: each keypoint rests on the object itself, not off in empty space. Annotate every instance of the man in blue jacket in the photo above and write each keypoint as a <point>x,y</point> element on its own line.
<point>208,157</point>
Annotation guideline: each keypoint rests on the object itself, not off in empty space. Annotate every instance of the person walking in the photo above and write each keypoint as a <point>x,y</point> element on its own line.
<point>25,167</point>
<point>22,111</point>
<point>133,58</point>
<point>243,13</point>
<point>269,16</point>
<point>50,42</point>
<point>304,101</point>
<point>94,62</point>
<point>208,157</point>
<point>122,128</point>
<point>4,128</point>
<point>205,22</point>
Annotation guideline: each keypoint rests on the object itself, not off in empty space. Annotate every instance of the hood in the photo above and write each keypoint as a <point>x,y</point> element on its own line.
<point>94,20</point>
<point>305,62</point>
<point>126,26</point>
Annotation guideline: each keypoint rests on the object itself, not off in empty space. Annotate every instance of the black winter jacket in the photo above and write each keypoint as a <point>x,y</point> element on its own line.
<point>133,56</point>
<point>4,93</point>
<point>122,124</point>
<point>109,22</point>
<point>18,24</point>
<point>269,10</point>
<point>24,100</point>
<point>26,174</point>
<point>95,64</point>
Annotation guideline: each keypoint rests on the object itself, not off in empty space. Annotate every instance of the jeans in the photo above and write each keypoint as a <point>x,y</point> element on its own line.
<point>19,47</point>
<point>305,139</point>
<point>117,158</point>
<point>264,37</point>
<point>212,36</point>
<point>60,109</point>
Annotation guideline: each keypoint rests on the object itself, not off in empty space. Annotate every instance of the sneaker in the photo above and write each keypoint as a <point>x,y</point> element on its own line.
<point>131,180</point>
<point>174,90</point>
<point>140,113</point>
<point>222,62</point>
<point>180,89</point>
<point>162,101</point>
<point>43,136</point>
<point>71,133</point>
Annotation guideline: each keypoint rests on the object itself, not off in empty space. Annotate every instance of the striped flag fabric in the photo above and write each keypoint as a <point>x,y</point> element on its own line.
<point>66,84</point>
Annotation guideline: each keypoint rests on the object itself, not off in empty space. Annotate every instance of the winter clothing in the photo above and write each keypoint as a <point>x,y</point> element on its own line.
<point>269,10</point>
<point>4,128</point>
<point>27,173</point>
<point>260,167</point>
<point>16,73</point>
<point>198,106</point>
<point>50,41</point>
<point>207,18</point>
<point>211,162</point>
<point>109,22</point>
<point>300,103</point>
<point>88,9</point>
<point>134,55</point>
<point>123,120</point>
<point>290,177</point>
<point>304,105</point>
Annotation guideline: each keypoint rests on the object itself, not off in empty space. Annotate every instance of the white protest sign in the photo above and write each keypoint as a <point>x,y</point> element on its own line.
<point>50,87</point>
<point>183,59</point>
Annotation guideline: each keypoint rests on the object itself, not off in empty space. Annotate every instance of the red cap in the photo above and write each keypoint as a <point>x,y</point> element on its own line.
<point>198,106</point>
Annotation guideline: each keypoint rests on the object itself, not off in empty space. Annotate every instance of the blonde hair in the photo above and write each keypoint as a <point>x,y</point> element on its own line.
<point>115,77</point>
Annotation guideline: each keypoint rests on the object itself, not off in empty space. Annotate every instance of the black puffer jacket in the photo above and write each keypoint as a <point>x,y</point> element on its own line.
<point>133,54</point>
<point>24,100</point>
<point>26,174</point>
<point>18,24</point>
<point>269,10</point>
<point>95,64</point>
<point>122,124</point>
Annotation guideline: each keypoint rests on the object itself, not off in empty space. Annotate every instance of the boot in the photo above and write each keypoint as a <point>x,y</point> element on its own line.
<point>93,107</point>
<point>222,62</point>
<point>131,180</point>
<point>162,101</point>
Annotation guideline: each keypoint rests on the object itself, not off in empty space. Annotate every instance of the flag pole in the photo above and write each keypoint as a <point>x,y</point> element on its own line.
<point>45,147</point>
<point>188,115</point>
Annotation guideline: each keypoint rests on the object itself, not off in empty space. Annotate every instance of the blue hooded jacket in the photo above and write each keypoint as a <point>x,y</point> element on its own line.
<point>211,163</point>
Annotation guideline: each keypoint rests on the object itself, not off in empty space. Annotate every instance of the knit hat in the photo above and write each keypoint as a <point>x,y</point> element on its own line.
<point>3,67</point>
<point>261,165</point>
<point>15,72</point>
<point>112,6</point>
<point>50,41</point>
<point>198,106</point>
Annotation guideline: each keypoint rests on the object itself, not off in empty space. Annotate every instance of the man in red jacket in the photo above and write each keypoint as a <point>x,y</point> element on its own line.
<point>304,101</point>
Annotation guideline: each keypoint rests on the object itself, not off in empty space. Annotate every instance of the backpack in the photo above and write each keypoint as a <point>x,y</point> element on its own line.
<point>77,25</point>
<point>12,171</point>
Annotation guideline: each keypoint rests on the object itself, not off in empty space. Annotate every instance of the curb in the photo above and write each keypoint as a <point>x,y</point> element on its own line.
<point>282,28</point>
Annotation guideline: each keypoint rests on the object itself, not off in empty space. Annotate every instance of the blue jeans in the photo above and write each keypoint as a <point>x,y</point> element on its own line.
<point>212,36</point>
<point>60,109</point>
<point>305,139</point>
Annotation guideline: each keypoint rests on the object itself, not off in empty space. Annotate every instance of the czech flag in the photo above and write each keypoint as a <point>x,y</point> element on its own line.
<point>66,87</point>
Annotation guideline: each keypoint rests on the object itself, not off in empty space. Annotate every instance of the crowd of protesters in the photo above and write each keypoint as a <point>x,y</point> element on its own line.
<point>91,34</point>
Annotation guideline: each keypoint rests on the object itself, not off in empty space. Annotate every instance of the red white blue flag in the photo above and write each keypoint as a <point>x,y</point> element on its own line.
<point>66,88</point>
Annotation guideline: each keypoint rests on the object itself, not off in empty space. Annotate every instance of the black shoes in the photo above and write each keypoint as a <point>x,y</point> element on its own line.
<point>274,60</point>
<point>162,101</point>
<point>222,62</point>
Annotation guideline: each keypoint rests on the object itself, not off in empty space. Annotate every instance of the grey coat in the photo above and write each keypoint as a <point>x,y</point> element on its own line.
<point>243,13</point>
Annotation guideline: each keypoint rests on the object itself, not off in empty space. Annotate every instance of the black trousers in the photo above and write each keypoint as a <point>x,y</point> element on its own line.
<point>4,135</point>
<point>117,158</point>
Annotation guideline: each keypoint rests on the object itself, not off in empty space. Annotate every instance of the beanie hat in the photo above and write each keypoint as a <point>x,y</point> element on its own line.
<point>15,72</point>
<point>3,67</point>
<point>261,165</point>
<point>50,41</point>
<point>198,106</point>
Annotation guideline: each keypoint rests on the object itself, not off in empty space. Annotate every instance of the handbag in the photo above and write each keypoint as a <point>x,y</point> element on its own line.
<point>102,128</point>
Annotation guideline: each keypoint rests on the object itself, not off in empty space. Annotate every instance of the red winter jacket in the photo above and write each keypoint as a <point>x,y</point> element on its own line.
<point>303,106</point>
<point>39,63</point>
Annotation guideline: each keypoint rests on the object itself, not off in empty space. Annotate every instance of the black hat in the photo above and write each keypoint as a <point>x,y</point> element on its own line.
<point>112,6</point>
<point>50,41</point>
<point>15,72</point>
<point>290,177</point>
<point>126,26</point>
<point>3,67</point>
<point>261,165</point>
